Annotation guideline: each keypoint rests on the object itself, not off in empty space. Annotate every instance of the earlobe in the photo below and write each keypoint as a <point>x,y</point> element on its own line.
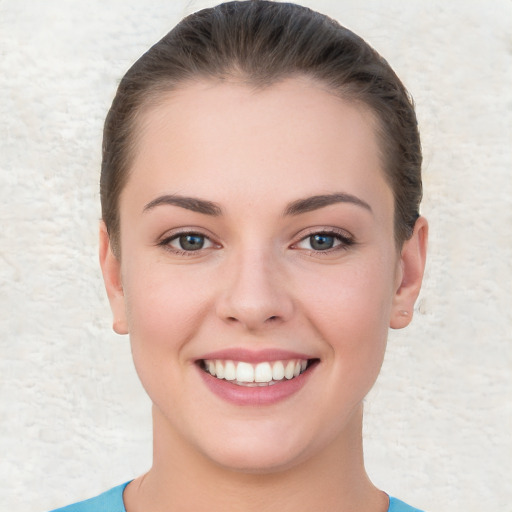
<point>111,270</point>
<point>412,266</point>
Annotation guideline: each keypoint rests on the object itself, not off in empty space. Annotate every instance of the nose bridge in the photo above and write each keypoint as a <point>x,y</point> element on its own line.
<point>255,293</point>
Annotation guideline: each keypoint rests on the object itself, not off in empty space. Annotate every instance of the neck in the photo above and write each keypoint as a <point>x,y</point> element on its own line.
<point>183,480</point>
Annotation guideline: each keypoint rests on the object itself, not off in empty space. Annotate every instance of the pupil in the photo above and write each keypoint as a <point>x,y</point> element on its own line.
<point>321,242</point>
<point>191,242</point>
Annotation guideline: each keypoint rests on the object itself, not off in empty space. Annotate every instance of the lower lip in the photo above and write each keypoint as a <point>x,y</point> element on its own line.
<point>258,395</point>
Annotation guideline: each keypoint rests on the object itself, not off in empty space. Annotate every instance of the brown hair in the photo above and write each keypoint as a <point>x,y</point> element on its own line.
<point>263,42</point>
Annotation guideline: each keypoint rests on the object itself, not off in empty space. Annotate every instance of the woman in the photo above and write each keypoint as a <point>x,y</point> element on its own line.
<point>260,191</point>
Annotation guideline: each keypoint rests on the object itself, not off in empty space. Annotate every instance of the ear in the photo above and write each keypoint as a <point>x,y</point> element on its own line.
<point>111,269</point>
<point>409,275</point>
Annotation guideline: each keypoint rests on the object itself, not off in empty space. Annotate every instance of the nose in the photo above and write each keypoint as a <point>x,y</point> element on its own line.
<point>254,293</point>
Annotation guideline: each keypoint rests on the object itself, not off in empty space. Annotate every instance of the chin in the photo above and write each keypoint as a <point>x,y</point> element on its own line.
<point>256,460</point>
<point>264,450</point>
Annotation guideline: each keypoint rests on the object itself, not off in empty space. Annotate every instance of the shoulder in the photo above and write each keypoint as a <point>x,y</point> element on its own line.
<point>399,506</point>
<point>110,501</point>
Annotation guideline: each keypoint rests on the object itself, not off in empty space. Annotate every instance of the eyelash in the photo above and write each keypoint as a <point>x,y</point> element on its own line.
<point>166,243</point>
<point>343,239</point>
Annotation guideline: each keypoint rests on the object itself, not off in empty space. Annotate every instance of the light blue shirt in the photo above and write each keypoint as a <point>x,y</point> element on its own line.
<point>112,501</point>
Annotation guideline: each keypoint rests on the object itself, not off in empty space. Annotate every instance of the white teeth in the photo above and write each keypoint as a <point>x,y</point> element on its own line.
<point>244,372</point>
<point>219,369</point>
<point>262,374</point>
<point>278,371</point>
<point>230,371</point>
<point>290,368</point>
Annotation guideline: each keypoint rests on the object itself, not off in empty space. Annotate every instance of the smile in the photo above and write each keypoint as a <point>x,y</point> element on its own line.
<point>265,373</point>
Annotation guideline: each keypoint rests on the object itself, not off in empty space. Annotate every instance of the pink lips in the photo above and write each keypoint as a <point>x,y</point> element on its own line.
<point>249,356</point>
<point>254,396</point>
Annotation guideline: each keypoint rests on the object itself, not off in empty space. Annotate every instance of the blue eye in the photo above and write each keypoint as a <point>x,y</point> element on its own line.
<point>188,242</point>
<point>325,241</point>
<point>322,241</point>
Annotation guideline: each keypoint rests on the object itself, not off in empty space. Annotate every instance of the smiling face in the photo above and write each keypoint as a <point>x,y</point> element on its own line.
<point>258,273</point>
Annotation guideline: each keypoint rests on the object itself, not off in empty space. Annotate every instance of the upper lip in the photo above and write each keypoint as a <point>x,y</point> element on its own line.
<point>254,356</point>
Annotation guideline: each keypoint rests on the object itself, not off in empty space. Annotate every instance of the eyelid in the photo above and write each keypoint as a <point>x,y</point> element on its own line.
<point>208,243</point>
<point>171,235</point>
<point>344,238</point>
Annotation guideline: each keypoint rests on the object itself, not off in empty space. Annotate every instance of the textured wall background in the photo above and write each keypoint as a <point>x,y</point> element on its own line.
<point>73,418</point>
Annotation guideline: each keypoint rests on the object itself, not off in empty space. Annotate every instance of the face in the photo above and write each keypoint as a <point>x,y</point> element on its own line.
<point>258,272</point>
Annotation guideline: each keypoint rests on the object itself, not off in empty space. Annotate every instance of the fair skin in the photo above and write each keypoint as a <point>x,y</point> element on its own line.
<point>221,259</point>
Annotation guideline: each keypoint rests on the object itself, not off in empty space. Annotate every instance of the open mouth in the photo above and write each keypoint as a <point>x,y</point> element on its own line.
<point>265,373</point>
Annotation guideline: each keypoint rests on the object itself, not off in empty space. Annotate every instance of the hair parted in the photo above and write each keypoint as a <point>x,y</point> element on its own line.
<point>262,42</point>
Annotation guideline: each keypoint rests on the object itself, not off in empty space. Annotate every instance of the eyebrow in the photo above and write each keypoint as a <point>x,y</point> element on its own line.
<point>297,207</point>
<point>321,201</point>
<point>189,203</point>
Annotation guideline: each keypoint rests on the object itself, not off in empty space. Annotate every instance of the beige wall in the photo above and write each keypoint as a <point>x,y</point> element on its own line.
<point>73,418</point>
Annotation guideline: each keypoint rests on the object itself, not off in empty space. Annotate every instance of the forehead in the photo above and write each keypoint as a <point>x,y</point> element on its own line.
<point>294,136</point>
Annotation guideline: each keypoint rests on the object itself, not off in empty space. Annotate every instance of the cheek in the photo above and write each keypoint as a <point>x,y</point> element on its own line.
<point>164,305</point>
<point>350,308</point>
<point>164,309</point>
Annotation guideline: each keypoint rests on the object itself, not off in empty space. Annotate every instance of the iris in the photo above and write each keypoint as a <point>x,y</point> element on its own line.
<point>191,242</point>
<point>321,242</point>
